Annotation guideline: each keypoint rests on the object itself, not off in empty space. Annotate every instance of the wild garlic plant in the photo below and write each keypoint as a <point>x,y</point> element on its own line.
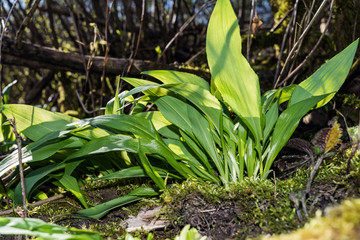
<point>220,132</point>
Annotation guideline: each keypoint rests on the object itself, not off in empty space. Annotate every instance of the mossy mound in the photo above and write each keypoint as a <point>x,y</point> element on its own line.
<point>340,223</point>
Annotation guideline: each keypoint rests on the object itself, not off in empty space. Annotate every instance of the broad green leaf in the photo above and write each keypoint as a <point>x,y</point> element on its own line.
<point>34,179</point>
<point>231,73</point>
<point>101,210</point>
<point>70,183</point>
<point>133,172</point>
<point>106,144</point>
<point>26,116</point>
<point>151,91</point>
<point>202,99</point>
<point>43,230</point>
<point>175,111</point>
<point>126,123</point>
<point>12,160</point>
<point>327,79</point>
<point>271,117</point>
<point>286,125</point>
<point>168,76</point>
<point>150,171</point>
<point>163,126</point>
<point>47,150</point>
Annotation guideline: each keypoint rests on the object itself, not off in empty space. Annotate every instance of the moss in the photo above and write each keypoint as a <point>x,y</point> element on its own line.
<point>250,207</point>
<point>341,222</point>
<point>349,105</point>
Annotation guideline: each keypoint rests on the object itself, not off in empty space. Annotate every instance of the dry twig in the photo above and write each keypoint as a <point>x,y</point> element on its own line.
<point>21,170</point>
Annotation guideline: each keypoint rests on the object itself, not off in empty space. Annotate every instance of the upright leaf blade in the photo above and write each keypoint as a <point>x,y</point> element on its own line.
<point>286,125</point>
<point>232,74</point>
<point>328,78</point>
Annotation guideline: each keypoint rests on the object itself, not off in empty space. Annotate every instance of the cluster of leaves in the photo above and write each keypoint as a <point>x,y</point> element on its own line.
<point>220,132</point>
<point>44,231</point>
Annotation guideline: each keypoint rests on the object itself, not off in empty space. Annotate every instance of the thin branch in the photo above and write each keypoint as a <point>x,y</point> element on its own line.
<point>312,50</point>
<point>25,23</point>
<point>249,32</point>
<point>184,26</point>
<point>138,38</point>
<point>108,10</point>
<point>284,42</point>
<point>190,60</point>
<point>298,42</point>
<point>278,24</point>
<point>21,170</point>
<point>1,40</point>
<point>83,105</point>
<point>355,22</point>
<point>39,203</point>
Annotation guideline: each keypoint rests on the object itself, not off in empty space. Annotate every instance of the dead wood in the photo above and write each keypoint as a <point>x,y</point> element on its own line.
<point>36,56</point>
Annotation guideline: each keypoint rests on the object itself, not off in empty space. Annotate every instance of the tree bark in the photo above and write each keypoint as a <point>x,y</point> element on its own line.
<point>35,56</point>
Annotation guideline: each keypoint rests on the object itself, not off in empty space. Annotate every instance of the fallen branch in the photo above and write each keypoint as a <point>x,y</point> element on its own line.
<point>36,56</point>
<point>39,203</point>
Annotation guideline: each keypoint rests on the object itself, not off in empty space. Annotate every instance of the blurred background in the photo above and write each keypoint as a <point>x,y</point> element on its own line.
<point>66,54</point>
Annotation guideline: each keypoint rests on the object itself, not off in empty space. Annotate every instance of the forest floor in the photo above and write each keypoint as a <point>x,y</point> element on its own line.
<point>249,209</point>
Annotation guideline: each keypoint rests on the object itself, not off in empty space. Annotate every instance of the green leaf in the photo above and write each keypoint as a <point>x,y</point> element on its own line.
<point>231,73</point>
<point>12,160</point>
<point>285,126</point>
<point>327,79</point>
<point>162,126</point>
<point>70,183</point>
<point>34,179</point>
<point>113,105</point>
<point>149,90</point>
<point>6,91</point>
<point>133,172</point>
<point>202,99</point>
<point>43,230</point>
<point>168,76</point>
<point>101,210</point>
<point>45,121</point>
<point>271,117</point>
<point>50,148</point>
<point>175,111</point>
<point>150,171</point>
<point>126,123</point>
<point>106,144</point>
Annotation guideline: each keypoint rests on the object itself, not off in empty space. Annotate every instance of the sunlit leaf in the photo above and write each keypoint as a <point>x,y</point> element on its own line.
<point>230,71</point>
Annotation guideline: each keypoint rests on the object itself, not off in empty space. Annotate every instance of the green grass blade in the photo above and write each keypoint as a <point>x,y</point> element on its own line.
<point>231,73</point>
